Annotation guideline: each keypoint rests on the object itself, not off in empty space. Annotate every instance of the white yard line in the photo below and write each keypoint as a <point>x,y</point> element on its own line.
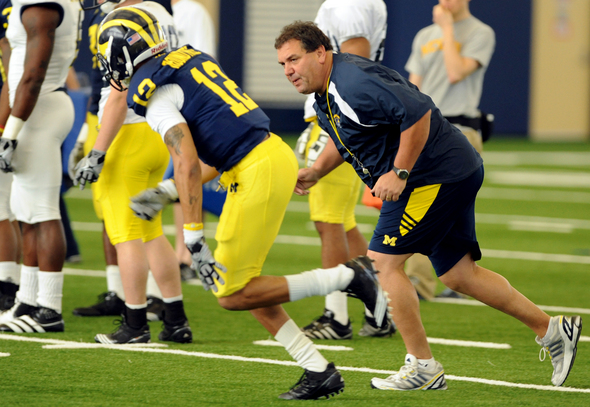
<point>78,345</point>
<point>438,341</point>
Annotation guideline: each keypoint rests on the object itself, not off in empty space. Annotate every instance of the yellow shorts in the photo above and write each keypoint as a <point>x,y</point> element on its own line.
<point>258,190</point>
<point>92,122</point>
<point>135,161</point>
<point>334,197</point>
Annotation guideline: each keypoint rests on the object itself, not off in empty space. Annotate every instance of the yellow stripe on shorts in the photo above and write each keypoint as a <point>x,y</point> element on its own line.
<point>420,200</point>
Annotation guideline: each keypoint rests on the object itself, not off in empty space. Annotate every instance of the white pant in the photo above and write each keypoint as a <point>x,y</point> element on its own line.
<point>5,187</point>
<point>37,159</point>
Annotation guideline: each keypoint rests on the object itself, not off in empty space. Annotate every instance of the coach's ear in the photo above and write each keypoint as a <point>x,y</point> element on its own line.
<point>321,54</point>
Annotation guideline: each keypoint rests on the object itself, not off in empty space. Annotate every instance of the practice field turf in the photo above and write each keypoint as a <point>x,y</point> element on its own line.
<point>533,216</point>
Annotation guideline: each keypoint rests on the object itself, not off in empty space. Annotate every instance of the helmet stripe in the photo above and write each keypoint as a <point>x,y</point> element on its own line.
<point>150,21</point>
<point>131,24</point>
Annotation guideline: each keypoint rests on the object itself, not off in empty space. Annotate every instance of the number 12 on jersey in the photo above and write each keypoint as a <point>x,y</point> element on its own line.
<point>239,103</point>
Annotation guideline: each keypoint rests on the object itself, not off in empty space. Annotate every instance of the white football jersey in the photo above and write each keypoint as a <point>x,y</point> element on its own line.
<point>65,47</point>
<point>167,23</point>
<point>342,20</point>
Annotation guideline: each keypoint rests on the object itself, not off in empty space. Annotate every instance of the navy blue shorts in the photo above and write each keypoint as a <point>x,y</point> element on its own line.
<point>435,220</point>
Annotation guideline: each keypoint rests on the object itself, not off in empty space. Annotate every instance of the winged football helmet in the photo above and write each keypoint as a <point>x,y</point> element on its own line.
<point>127,37</point>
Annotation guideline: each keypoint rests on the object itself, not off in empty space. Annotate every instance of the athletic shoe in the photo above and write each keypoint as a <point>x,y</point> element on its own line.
<point>186,272</point>
<point>41,320</point>
<point>155,309</point>
<point>448,293</point>
<point>313,385</point>
<point>18,309</point>
<point>180,333</point>
<point>326,327</point>
<point>366,287</point>
<point>109,304</point>
<point>411,376</point>
<point>124,334</point>
<point>370,327</point>
<point>561,344</point>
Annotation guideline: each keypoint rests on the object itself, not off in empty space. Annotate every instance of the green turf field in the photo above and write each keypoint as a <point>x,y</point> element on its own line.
<point>533,217</point>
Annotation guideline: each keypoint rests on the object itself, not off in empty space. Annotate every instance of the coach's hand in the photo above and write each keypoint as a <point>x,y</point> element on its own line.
<point>389,187</point>
<point>7,148</point>
<point>203,261</point>
<point>147,204</point>
<point>89,168</point>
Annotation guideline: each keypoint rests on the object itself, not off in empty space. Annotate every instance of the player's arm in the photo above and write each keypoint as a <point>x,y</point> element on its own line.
<point>40,23</point>
<point>412,141</point>
<point>187,171</point>
<point>113,117</point>
<point>4,103</point>
<point>458,67</point>
<point>327,161</point>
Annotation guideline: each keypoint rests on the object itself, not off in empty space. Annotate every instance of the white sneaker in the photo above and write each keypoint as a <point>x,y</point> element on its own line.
<point>413,377</point>
<point>18,309</point>
<point>561,342</point>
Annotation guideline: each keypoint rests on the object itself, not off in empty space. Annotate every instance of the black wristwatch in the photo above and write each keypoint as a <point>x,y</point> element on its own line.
<point>401,173</point>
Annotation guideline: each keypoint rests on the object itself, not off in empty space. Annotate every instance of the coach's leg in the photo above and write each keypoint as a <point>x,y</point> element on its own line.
<point>404,302</point>
<point>494,290</point>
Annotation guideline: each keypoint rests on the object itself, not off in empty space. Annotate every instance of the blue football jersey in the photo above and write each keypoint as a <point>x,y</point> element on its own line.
<point>367,108</point>
<point>225,123</point>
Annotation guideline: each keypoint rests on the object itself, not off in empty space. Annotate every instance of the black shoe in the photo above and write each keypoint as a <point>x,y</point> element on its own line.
<point>313,385</point>
<point>366,287</point>
<point>370,328</point>
<point>40,320</point>
<point>155,309</point>
<point>125,334</point>
<point>7,295</point>
<point>325,327</point>
<point>187,273</point>
<point>109,304</point>
<point>181,333</point>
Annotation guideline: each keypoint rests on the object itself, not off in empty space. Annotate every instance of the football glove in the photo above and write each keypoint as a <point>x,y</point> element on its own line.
<point>76,155</point>
<point>302,141</point>
<point>204,263</point>
<point>7,148</point>
<point>147,204</point>
<point>89,168</point>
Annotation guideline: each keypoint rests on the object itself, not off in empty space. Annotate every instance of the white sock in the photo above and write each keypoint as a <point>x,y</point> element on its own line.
<point>337,302</point>
<point>152,289</point>
<point>300,347</point>
<point>114,282</point>
<point>51,284</point>
<point>172,299</point>
<point>426,364</point>
<point>319,282</point>
<point>10,272</point>
<point>136,306</point>
<point>29,285</point>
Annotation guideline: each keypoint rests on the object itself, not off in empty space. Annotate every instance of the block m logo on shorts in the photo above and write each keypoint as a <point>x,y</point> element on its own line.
<point>389,241</point>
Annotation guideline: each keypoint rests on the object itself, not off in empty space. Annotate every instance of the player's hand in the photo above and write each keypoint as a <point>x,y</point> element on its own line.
<point>205,265</point>
<point>76,155</point>
<point>7,148</point>
<point>302,141</point>
<point>89,168</point>
<point>147,204</point>
<point>306,178</point>
<point>389,187</point>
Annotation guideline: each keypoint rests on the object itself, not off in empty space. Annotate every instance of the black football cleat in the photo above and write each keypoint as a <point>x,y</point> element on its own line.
<point>314,385</point>
<point>109,304</point>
